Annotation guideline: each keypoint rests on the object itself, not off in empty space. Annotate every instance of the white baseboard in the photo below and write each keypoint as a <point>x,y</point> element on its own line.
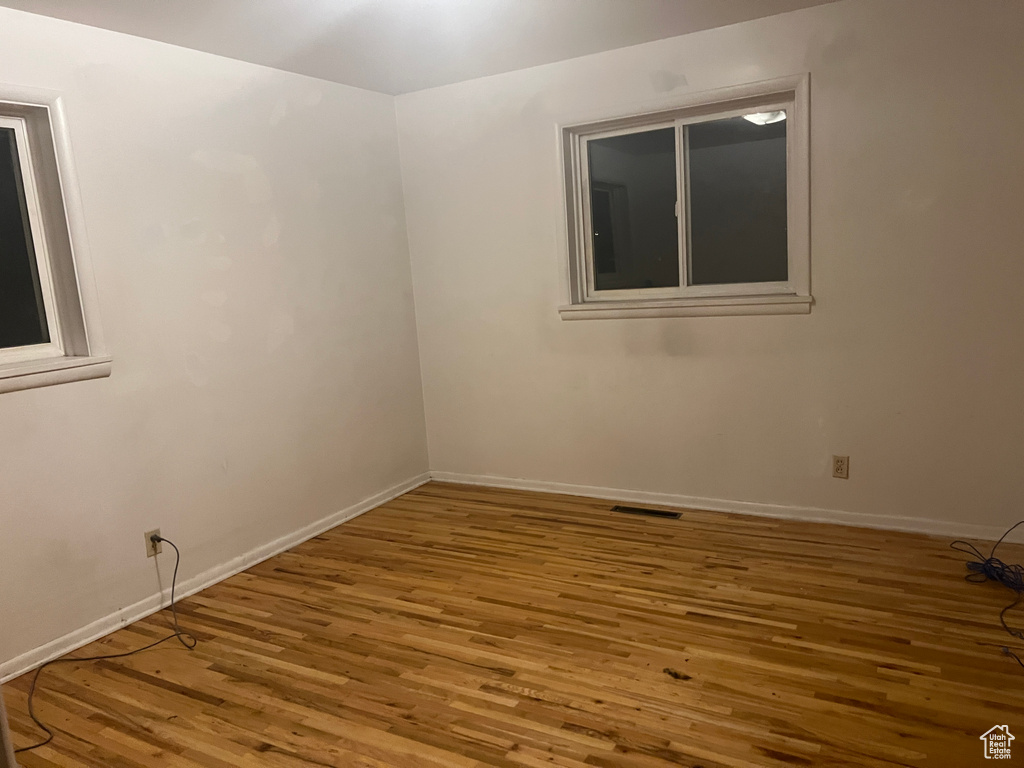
<point>150,605</point>
<point>942,528</point>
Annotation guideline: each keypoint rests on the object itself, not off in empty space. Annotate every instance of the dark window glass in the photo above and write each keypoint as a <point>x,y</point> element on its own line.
<point>22,317</point>
<point>737,202</point>
<point>633,210</point>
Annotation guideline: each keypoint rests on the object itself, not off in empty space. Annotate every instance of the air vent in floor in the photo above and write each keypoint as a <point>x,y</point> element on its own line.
<point>647,512</point>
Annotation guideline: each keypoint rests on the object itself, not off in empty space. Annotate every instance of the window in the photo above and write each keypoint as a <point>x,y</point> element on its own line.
<point>27,319</point>
<point>698,209</point>
<point>48,329</point>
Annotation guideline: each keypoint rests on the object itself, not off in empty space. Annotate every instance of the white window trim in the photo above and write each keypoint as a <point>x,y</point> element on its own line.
<point>790,297</point>
<point>76,351</point>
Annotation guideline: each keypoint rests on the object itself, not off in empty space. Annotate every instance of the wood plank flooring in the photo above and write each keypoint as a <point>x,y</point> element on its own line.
<point>460,626</point>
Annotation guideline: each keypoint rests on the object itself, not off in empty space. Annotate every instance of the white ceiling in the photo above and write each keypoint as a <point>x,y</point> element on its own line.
<point>397,46</point>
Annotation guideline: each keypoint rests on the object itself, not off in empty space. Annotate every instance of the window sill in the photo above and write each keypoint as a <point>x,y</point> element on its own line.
<point>55,370</point>
<point>690,307</point>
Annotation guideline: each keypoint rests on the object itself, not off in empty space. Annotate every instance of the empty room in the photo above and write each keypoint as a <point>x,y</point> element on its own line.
<point>520,383</point>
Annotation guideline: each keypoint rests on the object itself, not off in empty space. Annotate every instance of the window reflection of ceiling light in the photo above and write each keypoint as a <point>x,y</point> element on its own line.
<point>765,118</point>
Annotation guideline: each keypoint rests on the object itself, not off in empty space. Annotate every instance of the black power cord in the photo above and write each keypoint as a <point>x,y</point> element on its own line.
<point>991,568</point>
<point>187,640</point>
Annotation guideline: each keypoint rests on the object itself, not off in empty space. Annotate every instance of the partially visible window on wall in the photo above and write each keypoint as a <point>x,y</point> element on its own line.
<point>48,326</point>
<point>701,209</point>
<point>25,313</point>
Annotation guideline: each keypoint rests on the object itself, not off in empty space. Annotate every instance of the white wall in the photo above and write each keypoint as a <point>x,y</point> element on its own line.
<point>912,360</point>
<point>248,237</point>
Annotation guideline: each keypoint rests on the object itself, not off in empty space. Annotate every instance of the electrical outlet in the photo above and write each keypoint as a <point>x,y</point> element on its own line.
<point>153,548</point>
<point>841,467</point>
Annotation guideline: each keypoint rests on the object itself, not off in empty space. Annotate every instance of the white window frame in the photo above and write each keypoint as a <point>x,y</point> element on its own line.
<point>792,296</point>
<point>38,246</point>
<point>75,351</point>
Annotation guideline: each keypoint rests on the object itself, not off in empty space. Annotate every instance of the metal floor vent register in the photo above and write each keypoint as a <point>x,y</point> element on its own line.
<point>646,512</point>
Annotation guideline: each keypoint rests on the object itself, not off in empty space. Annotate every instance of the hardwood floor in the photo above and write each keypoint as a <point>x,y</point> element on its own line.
<point>460,626</point>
